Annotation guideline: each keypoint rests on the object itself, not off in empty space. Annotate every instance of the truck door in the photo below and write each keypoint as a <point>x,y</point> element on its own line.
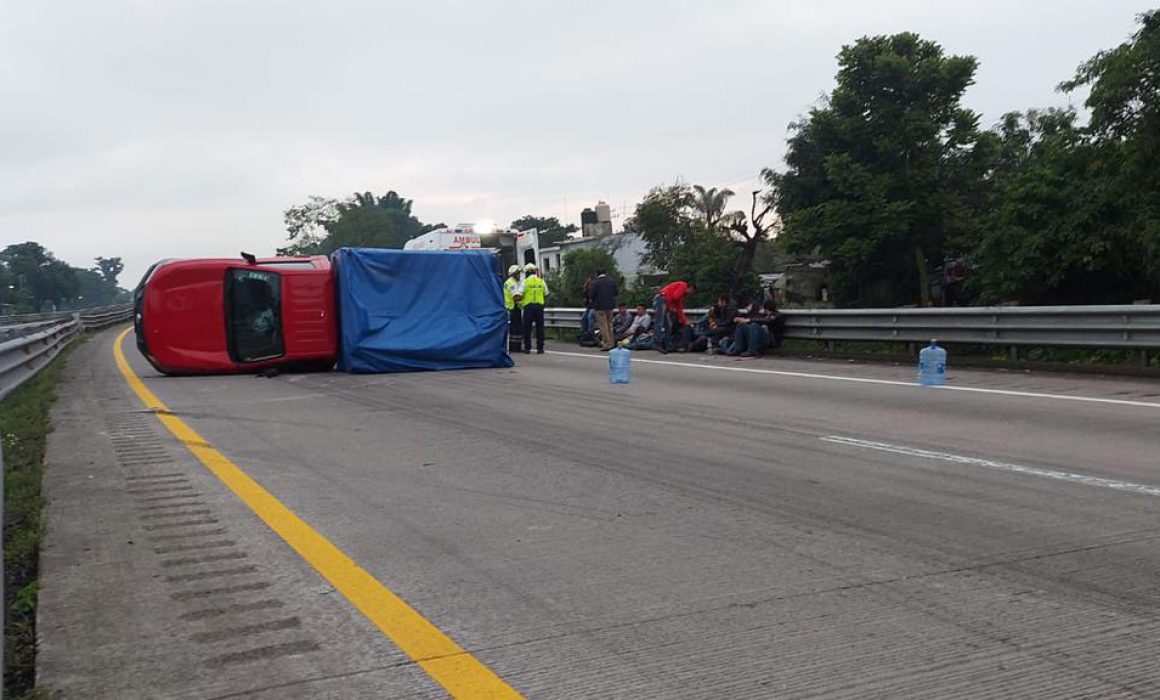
<point>254,315</point>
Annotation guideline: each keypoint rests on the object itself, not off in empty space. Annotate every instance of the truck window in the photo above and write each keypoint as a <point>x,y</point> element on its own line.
<point>254,315</point>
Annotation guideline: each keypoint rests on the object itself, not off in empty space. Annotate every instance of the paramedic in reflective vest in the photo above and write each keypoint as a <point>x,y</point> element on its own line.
<point>513,290</point>
<point>535,294</point>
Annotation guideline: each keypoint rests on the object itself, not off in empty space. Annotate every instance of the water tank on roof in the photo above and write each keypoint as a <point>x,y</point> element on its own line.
<point>603,212</point>
<point>587,217</point>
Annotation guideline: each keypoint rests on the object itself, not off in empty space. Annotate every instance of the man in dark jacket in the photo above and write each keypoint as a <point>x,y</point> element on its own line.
<point>722,320</point>
<point>758,332</point>
<point>603,292</point>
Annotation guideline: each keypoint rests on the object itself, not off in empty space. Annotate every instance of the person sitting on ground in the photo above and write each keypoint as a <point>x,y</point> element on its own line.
<point>641,323</point>
<point>749,305</point>
<point>621,320</point>
<point>641,341</point>
<point>758,332</point>
<point>744,308</point>
<point>721,321</point>
<point>775,321</point>
<point>695,337</point>
<point>755,306</point>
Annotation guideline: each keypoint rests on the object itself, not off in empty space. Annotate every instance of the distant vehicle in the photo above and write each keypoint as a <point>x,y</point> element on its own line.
<point>444,239</point>
<point>471,237</point>
<point>218,315</point>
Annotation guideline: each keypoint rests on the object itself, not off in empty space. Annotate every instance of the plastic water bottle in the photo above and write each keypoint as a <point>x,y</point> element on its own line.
<point>932,365</point>
<point>619,365</point>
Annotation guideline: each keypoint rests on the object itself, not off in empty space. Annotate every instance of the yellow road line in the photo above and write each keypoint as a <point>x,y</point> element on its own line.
<point>460,673</point>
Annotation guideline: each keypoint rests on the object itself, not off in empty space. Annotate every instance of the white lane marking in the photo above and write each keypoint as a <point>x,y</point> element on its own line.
<point>1114,484</point>
<point>889,382</point>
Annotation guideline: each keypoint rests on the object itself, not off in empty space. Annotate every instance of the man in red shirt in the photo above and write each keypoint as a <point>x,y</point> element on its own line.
<point>670,297</point>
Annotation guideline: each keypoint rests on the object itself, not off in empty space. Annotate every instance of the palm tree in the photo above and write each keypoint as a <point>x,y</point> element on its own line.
<point>710,203</point>
<point>364,199</point>
<point>390,201</point>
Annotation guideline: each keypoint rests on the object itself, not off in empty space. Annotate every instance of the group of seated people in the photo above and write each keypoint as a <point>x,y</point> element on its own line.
<point>745,330</point>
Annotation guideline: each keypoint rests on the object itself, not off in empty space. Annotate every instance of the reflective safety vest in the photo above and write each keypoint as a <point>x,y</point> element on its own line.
<point>535,290</point>
<point>511,287</point>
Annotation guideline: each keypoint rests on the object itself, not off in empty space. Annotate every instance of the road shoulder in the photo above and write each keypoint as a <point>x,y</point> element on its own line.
<point>157,582</point>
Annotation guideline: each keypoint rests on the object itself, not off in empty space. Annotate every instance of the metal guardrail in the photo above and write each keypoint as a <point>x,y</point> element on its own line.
<point>21,319</point>
<point>1135,327</point>
<point>98,319</point>
<point>20,330</point>
<point>95,311</point>
<point>21,357</point>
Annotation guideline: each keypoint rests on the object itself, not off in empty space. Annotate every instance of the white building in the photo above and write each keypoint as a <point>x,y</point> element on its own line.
<point>549,251</point>
<point>627,249</point>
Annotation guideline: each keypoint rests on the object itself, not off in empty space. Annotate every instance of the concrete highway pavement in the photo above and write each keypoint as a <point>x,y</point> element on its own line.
<point>715,529</point>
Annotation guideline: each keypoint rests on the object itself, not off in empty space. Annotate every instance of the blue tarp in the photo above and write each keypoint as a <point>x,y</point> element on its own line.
<point>413,310</point>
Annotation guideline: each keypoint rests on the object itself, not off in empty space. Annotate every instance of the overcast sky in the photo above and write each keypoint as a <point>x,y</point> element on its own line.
<point>150,129</point>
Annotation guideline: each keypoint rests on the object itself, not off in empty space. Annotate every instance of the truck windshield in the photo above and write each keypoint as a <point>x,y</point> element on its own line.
<point>254,315</point>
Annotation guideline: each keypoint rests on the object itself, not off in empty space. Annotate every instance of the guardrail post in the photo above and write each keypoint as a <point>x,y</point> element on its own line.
<point>1144,357</point>
<point>1013,353</point>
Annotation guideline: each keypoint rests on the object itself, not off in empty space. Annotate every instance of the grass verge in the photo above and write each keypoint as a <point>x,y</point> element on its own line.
<point>24,428</point>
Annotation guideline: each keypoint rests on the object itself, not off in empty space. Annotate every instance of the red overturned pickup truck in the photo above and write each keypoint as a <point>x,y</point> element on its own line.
<point>364,310</point>
<point>215,315</point>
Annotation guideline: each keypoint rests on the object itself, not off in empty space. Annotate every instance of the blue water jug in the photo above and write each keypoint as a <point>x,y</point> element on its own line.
<point>619,365</point>
<point>932,365</point>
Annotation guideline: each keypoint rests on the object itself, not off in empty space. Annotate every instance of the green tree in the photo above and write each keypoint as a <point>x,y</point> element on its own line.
<point>710,206</point>
<point>374,222</point>
<point>322,225</point>
<point>306,225</point>
<point>14,297</point>
<point>1125,86</point>
<point>1124,100</point>
<point>93,289</point>
<point>1048,240</point>
<point>544,224</point>
<point>109,269</point>
<point>665,221</point>
<point>98,285</point>
<point>1076,213</point>
<point>39,281</point>
<point>685,235</point>
<point>579,265</point>
<point>887,173</point>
